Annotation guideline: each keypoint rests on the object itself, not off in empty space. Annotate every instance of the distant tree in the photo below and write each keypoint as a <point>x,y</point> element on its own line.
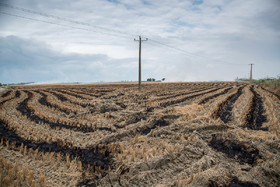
<point>151,79</point>
<point>163,79</point>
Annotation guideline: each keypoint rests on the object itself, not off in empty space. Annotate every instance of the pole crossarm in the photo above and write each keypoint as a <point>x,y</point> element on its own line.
<point>139,75</point>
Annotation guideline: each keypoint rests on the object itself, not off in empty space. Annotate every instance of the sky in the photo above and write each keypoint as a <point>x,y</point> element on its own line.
<point>61,41</point>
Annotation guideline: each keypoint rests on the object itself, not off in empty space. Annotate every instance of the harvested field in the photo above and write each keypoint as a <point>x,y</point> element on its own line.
<point>171,134</point>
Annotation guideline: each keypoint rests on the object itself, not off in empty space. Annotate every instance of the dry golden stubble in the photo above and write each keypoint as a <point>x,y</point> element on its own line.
<point>7,143</point>
<point>67,160</point>
<point>271,112</point>
<point>6,181</point>
<point>42,179</point>
<point>16,183</point>
<point>25,150</point>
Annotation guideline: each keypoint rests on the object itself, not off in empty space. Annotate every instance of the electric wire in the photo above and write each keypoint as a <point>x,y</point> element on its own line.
<point>64,19</point>
<point>69,26</point>
<point>116,32</point>
<point>193,54</point>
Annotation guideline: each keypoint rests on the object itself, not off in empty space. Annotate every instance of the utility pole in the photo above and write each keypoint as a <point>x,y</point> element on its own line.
<point>251,72</point>
<point>139,76</point>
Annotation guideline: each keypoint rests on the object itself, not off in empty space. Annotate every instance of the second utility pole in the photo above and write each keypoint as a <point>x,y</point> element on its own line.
<point>139,76</point>
<point>251,72</point>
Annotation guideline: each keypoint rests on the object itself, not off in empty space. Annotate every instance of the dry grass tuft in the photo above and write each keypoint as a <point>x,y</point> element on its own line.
<point>189,111</point>
<point>67,160</point>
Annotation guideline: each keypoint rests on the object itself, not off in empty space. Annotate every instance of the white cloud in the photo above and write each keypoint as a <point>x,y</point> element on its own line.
<point>225,31</point>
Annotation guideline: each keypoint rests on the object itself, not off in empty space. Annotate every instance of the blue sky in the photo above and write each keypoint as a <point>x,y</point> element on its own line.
<point>220,38</point>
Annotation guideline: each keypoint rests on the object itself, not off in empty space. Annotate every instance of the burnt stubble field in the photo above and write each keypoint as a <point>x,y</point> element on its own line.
<point>170,134</point>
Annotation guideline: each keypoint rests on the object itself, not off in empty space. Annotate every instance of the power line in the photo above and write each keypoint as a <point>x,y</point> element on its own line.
<point>175,48</point>
<point>119,33</point>
<point>53,23</point>
<point>193,54</point>
<point>63,19</point>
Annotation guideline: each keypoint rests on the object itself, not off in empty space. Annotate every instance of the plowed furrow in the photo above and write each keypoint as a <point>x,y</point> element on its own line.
<point>58,96</point>
<point>29,113</point>
<point>277,96</point>
<point>6,94</point>
<point>98,155</point>
<point>78,96</point>
<point>226,113</point>
<point>17,95</point>
<point>237,150</point>
<point>173,102</point>
<point>65,106</point>
<point>213,96</point>
<point>62,98</point>
<point>255,117</point>
<point>43,101</point>
<point>86,92</point>
<point>181,94</point>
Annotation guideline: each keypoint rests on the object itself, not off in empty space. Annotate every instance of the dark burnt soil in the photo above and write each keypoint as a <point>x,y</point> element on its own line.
<point>161,122</point>
<point>225,114</point>
<point>237,183</point>
<point>134,118</point>
<point>18,94</point>
<point>105,108</point>
<point>255,117</point>
<point>122,105</point>
<point>22,107</point>
<point>97,159</point>
<point>112,96</point>
<point>234,183</point>
<point>214,96</point>
<point>241,151</point>
<point>131,119</point>
<point>6,94</point>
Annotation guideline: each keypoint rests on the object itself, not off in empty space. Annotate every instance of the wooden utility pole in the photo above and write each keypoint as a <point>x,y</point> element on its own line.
<point>251,72</point>
<point>139,76</point>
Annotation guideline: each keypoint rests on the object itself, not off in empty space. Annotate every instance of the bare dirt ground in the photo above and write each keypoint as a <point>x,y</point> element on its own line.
<point>171,134</point>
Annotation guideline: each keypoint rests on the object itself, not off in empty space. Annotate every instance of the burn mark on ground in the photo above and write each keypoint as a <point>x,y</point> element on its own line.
<point>162,122</point>
<point>234,183</point>
<point>97,159</point>
<point>243,152</point>
<point>226,111</point>
<point>6,94</point>
<point>255,117</point>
